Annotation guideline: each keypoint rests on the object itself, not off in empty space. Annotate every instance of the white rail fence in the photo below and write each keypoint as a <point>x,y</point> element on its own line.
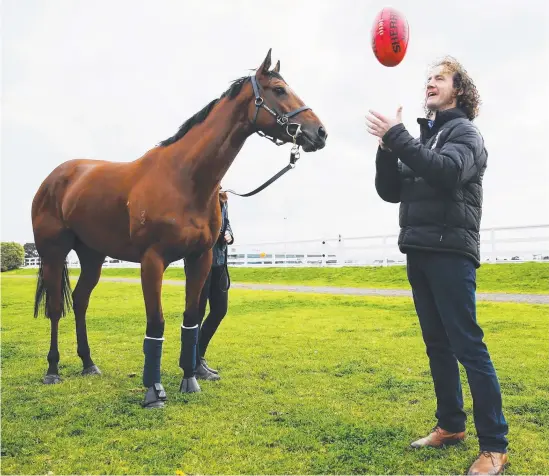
<point>497,245</point>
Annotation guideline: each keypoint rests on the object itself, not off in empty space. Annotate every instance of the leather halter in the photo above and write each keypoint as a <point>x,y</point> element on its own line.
<point>283,121</point>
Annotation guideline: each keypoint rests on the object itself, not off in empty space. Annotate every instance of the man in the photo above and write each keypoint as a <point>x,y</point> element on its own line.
<point>216,291</point>
<point>438,182</point>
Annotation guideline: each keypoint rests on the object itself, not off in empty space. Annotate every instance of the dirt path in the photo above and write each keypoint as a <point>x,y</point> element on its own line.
<point>495,297</point>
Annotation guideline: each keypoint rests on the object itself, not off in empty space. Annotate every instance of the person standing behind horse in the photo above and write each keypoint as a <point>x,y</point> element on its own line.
<point>216,292</point>
<point>438,182</point>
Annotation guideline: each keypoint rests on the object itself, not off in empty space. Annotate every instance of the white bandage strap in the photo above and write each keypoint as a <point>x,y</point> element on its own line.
<point>154,338</point>
<point>193,327</point>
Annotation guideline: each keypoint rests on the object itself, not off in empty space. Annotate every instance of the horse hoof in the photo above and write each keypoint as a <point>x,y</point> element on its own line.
<point>202,373</point>
<point>189,385</point>
<point>155,397</point>
<point>93,370</point>
<point>51,379</point>
<point>204,364</point>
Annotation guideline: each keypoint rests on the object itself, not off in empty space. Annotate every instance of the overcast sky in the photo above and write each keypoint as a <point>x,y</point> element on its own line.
<point>109,79</point>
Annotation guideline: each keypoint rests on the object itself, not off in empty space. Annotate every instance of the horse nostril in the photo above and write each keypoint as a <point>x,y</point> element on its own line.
<point>322,133</point>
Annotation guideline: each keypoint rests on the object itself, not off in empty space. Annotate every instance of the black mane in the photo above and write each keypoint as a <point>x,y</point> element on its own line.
<point>201,115</point>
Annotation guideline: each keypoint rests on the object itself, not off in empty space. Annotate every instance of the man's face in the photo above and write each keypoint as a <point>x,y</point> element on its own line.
<point>440,93</point>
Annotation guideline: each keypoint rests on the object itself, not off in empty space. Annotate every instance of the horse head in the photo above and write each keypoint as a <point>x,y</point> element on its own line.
<point>279,112</point>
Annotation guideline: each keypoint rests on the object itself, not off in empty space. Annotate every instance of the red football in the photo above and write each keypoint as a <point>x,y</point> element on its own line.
<point>390,34</point>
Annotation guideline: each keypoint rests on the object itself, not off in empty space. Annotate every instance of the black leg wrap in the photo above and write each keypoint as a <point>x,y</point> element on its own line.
<point>152,348</point>
<point>189,343</point>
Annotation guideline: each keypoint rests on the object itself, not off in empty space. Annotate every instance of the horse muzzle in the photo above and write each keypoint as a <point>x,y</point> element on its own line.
<point>312,141</point>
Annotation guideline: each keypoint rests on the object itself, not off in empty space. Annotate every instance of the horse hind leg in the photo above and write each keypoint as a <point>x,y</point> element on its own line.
<point>53,287</point>
<point>91,263</point>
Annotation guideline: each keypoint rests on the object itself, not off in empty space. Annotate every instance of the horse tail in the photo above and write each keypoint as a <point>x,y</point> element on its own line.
<point>42,294</point>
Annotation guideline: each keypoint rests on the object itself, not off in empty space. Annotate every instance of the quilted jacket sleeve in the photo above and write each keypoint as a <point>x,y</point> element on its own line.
<point>387,176</point>
<point>452,165</point>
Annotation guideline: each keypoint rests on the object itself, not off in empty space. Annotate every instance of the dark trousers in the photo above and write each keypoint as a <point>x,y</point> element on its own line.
<point>215,291</point>
<point>444,286</point>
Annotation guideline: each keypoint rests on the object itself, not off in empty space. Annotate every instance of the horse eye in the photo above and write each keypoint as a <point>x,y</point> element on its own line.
<point>279,91</point>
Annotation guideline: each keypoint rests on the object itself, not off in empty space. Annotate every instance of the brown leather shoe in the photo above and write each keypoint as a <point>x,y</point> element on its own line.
<point>439,438</point>
<point>489,462</point>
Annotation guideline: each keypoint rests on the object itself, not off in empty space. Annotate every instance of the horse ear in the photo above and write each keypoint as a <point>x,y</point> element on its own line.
<point>264,68</point>
<point>276,69</point>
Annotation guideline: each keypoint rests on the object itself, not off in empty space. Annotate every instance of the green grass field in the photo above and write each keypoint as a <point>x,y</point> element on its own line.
<point>310,384</point>
<point>511,278</point>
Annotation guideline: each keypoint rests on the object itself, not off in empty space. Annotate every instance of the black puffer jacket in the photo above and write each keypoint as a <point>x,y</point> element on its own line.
<point>438,182</point>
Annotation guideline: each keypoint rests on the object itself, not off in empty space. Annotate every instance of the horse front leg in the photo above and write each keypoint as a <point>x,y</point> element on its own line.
<point>152,270</point>
<point>196,270</point>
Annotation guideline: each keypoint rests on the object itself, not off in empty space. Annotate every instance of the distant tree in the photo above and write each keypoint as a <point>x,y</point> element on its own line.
<point>30,250</point>
<point>12,255</point>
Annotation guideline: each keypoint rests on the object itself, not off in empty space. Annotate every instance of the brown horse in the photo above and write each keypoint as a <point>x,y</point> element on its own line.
<point>155,210</point>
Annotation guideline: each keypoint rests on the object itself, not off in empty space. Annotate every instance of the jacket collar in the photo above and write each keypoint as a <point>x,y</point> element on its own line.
<point>441,118</point>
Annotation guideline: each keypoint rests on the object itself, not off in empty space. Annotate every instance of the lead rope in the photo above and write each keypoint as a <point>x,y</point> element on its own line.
<point>294,157</point>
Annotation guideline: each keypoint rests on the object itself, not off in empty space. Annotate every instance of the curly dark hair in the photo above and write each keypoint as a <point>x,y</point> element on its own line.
<point>468,98</point>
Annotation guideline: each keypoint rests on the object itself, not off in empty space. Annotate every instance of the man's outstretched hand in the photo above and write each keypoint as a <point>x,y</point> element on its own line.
<point>378,125</point>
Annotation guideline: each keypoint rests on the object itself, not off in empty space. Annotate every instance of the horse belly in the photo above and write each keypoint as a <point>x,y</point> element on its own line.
<point>99,218</point>
<point>98,230</point>
<point>175,239</point>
